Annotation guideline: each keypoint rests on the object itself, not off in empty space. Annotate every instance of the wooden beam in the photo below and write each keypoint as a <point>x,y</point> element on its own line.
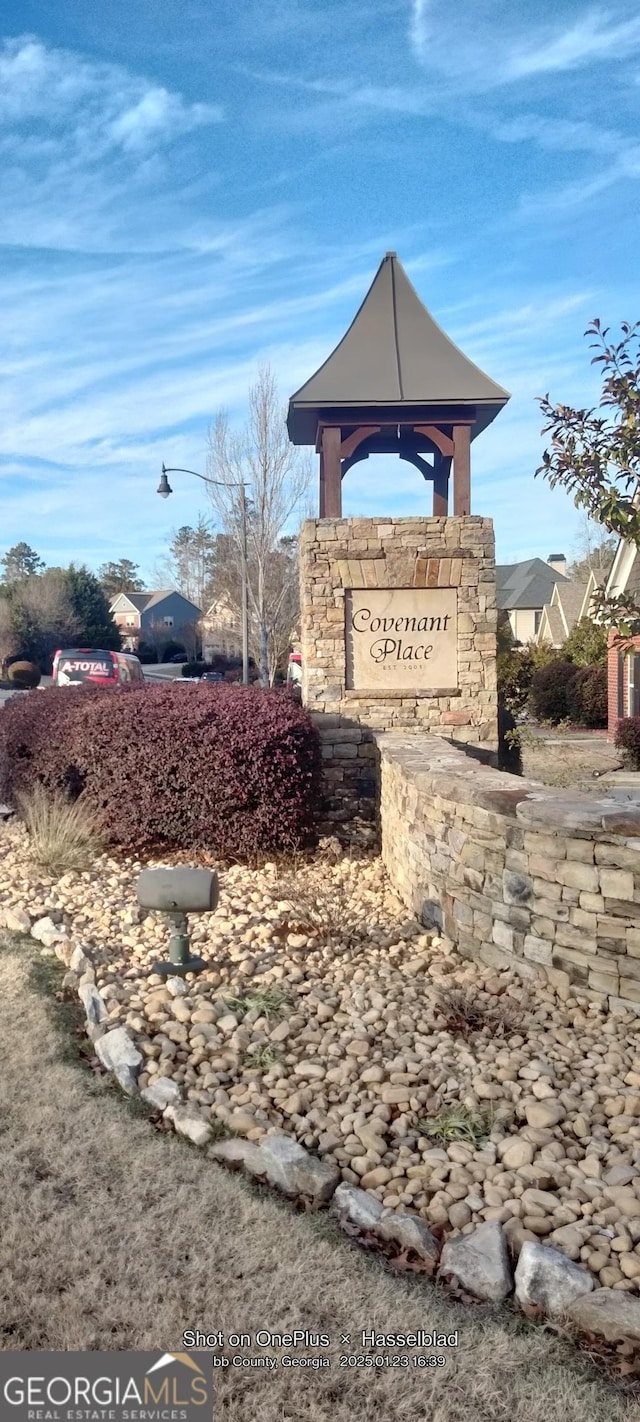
<point>332,471</point>
<point>441,487</point>
<point>461,469</point>
<point>357,437</point>
<point>437,437</point>
<point>321,491</point>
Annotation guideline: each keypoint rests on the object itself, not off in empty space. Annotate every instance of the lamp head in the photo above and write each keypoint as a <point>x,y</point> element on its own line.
<point>164,487</point>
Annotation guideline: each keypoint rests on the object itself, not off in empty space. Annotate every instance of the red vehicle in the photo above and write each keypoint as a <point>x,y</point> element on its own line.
<point>294,669</point>
<point>81,666</point>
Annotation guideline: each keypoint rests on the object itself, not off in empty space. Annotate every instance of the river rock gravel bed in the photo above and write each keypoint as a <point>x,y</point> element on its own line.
<point>330,1014</point>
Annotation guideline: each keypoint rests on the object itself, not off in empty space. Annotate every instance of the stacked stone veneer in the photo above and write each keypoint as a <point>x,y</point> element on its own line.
<point>517,874</point>
<point>339,554</point>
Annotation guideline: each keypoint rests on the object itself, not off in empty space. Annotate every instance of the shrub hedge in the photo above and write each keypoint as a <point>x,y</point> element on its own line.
<point>230,769</point>
<point>549,695</point>
<point>627,740</point>
<point>587,697</point>
<point>24,675</point>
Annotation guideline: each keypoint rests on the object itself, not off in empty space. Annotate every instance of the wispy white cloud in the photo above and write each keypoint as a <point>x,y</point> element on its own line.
<point>560,134</point>
<point>142,285</point>
<point>90,101</point>
<point>84,146</point>
<point>503,45</point>
<point>593,38</point>
<point>563,200</point>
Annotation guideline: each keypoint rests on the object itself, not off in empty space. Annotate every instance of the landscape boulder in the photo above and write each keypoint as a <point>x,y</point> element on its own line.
<point>546,1279</point>
<point>610,1313</point>
<point>93,1004</point>
<point>358,1206</point>
<point>118,1053</point>
<point>189,1122</point>
<point>45,931</point>
<point>410,1233</point>
<point>161,1092</point>
<point>237,1154</point>
<point>290,1168</point>
<point>480,1262</point>
<point>17,920</point>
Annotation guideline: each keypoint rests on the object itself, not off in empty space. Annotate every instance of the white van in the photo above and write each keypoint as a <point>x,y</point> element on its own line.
<point>82,666</point>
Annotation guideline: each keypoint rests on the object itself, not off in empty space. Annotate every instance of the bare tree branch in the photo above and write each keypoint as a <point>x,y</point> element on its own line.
<point>278,477</point>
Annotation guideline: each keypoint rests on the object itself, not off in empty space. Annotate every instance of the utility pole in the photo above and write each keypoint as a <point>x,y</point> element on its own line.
<point>164,489</point>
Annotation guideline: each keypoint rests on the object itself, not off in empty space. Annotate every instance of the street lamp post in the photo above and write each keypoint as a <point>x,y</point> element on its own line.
<point>164,489</point>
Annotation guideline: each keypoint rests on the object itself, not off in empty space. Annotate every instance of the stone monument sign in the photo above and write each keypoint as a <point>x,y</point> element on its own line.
<point>401,638</point>
<point>397,614</point>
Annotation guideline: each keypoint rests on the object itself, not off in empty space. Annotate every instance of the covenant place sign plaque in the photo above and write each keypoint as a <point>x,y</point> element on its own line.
<point>400,638</point>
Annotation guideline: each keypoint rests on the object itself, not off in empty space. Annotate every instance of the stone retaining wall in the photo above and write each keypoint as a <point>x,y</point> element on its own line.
<point>517,874</point>
<point>350,771</point>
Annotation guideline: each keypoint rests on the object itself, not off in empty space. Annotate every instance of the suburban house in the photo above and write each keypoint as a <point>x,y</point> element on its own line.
<point>156,618</point>
<point>569,604</point>
<point>623,662</point>
<point>523,589</point>
<point>220,630</point>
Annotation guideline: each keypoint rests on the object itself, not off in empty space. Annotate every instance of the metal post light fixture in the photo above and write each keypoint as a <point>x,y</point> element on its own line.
<point>164,489</point>
<point>174,893</point>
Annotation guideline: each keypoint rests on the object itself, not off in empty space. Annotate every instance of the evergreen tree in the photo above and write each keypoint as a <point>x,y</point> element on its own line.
<point>120,576</point>
<point>20,562</point>
<point>91,608</point>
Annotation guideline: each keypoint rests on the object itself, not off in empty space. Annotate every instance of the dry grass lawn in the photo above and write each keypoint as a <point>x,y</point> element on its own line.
<point>557,761</point>
<point>115,1236</point>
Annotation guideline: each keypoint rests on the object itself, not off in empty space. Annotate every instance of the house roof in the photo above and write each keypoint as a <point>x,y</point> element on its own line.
<point>145,600</point>
<point>394,354</point>
<point>551,616</point>
<point>137,600</point>
<point>525,585</point>
<point>569,597</point>
<point>221,608</point>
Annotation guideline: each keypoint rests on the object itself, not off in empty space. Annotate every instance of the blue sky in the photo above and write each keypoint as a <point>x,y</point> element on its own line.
<point>189,189</point>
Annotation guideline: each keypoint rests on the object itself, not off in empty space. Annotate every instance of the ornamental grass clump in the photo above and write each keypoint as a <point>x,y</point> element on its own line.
<point>63,834</point>
<point>457,1123</point>
<point>464,1013</point>
<point>232,770</point>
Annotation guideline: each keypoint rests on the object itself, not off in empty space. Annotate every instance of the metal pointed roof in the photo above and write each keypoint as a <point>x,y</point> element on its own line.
<point>395,355</point>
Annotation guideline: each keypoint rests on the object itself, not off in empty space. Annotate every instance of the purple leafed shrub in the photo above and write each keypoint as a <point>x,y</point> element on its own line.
<point>627,740</point>
<point>587,697</point>
<point>548,699</point>
<point>230,769</point>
